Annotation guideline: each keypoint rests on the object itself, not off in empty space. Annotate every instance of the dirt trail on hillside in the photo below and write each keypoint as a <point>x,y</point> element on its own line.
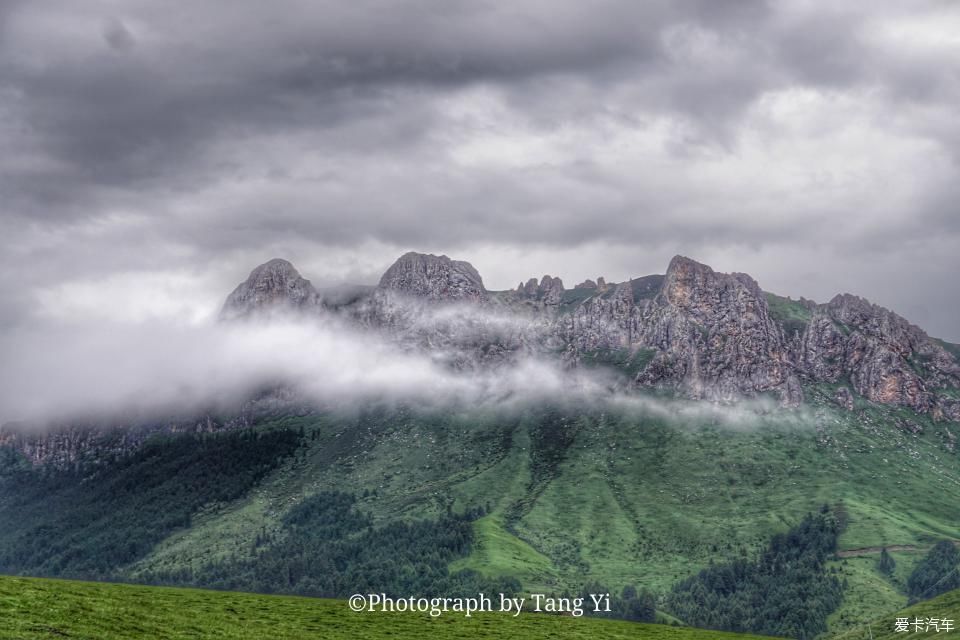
<point>869,551</point>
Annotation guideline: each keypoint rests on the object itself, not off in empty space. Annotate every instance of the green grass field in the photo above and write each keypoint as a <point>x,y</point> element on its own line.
<point>884,628</point>
<point>38,609</point>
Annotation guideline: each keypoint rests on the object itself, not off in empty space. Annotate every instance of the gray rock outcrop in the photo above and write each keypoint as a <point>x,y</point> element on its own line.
<point>715,337</point>
<point>434,278</point>
<point>887,359</point>
<point>275,286</point>
<point>549,290</point>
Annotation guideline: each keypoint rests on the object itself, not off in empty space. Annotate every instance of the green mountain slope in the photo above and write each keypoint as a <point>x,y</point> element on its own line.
<point>42,608</point>
<point>623,496</point>
<point>946,606</point>
<point>629,498</point>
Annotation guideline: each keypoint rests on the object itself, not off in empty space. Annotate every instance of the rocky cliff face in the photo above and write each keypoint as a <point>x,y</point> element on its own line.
<point>434,278</point>
<point>882,356</point>
<point>715,336</point>
<point>705,334</point>
<point>273,286</point>
<point>96,443</point>
<point>711,333</point>
<point>70,445</point>
<point>607,320</point>
<point>549,290</point>
<point>438,306</point>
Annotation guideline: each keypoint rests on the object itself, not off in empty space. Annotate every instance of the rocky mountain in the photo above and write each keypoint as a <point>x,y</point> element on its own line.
<point>881,355</point>
<point>97,443</point>
<point>692,331</point>
<point>710,335</point>
<point>434,278</point>
<point>274,285</point>
<point>549,290</point>
<point>705,334</point>
<point>566,491</point>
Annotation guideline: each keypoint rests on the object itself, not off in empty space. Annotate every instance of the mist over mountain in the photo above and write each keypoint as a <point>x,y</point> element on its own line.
<point>431,332</point>
<point>704,334</point>
<point>679,324</point>
<point>600,432</point>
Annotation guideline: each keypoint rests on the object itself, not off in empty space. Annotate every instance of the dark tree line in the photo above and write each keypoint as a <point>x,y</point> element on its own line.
<point>88,523</point>
<point>326,547</point>
<point>628,604</point>
<point>937,573</point>
<point>886,564</point>
<point>787,591</point>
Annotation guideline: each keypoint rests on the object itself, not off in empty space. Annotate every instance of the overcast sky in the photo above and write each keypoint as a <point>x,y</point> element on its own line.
<point>152,153</point>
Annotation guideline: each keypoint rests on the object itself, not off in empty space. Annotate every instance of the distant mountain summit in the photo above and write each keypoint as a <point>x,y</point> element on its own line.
<point>274,285</point>
<point>436,278</point>
<point>549,290</point>
<point>707,335</point>
<point>714,336</point>
<point>882,356</point>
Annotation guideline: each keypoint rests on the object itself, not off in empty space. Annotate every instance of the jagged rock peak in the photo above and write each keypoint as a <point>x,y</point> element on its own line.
<point>549,290</point>
<point>436,278</point>
<point>586,284</point>
<point>274,285</point>
<point>694,286</point>
<point>887,359</point>
<point>682,268</point>
<point>875,320</point>
<point>530,289</point>
<point>716,336</point>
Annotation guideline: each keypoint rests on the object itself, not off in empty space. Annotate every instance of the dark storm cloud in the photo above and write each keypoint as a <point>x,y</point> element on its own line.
<point>115,114</point>
<point>140,137</point>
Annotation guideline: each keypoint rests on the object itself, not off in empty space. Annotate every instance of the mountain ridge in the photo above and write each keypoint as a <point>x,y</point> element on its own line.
<point>714,335</point>
<point>694,332</point>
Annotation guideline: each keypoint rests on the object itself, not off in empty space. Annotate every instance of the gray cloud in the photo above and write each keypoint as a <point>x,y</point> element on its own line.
<point>58,371</point>
<point>89,371</point>
<point>601,138</point>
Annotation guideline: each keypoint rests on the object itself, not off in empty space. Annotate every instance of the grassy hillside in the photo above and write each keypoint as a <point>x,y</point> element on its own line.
<point>621,496</point>
<point>884,628</point>
<point>792,315</point>
<point>949,346</point>
<point>868,591</point>
<point>617,497</point>
<point>45,609</point>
